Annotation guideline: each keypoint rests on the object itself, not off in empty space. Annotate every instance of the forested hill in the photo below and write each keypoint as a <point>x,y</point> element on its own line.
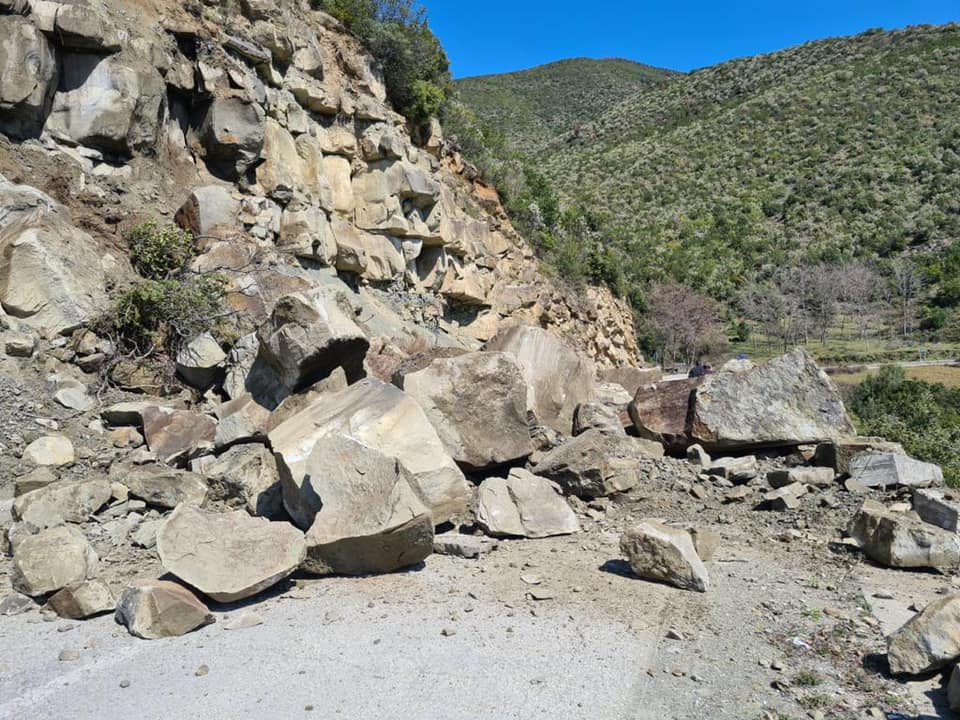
<point>837,149</point>
<point>533,106</point>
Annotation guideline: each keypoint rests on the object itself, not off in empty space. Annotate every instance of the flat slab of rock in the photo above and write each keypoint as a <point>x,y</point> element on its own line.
<point>838,453</point>
<point>52,450</point>
<point>632,379</point>
<point>382,417</point>
<point>524,505</point>
<point>477,403</point>
<point>734,469</point>
<point>596,464</point>
<point>661,411</point>
<point>51,560</point>
<point>228,556</point>
<point>819,477</point>
<point>882,470</point>
<point>938,507</point>
<point>62,502</point>
<point>928,641</point>
<point>897,540</point>
<point>83,600</point>
<point>658,552</point>
<point>469,547</point>
<point>158,609</point>
<point>364,516</point>
<point>787,401</point>
<point>161,487</point>
<point>786,497</point>
<point>558,378</point>
<point>178,435</point>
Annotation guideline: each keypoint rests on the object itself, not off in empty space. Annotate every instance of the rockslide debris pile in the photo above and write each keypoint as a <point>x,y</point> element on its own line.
<point>399,364</point>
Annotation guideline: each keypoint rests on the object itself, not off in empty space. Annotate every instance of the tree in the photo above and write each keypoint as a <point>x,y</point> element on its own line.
<point>682,323</point>
<point>907,283</point>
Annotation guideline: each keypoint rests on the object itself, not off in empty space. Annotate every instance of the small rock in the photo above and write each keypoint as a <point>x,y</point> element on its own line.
<point>658,552</point>
<point>50,450</point>
<point>448,631</point>
<point>244,621</point>
<point>68,655</point>
<point>201,671</point>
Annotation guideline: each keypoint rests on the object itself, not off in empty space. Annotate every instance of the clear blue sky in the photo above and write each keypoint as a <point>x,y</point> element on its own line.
<point>493,36</point>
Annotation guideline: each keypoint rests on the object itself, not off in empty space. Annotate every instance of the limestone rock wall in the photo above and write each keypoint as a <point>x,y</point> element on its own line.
<point>264,128</point>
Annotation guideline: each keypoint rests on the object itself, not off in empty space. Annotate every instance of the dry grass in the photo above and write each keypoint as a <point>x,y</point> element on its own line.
<point>945,375</point>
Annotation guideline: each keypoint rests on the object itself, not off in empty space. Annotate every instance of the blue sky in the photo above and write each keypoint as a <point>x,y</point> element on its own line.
<point>494,36</point>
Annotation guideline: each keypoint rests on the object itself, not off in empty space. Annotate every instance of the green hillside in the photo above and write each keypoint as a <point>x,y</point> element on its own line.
<point>726,178</point>
<point>533,106</point>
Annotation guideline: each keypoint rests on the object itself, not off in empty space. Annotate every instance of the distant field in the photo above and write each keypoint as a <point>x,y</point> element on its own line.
<point>948,376</point>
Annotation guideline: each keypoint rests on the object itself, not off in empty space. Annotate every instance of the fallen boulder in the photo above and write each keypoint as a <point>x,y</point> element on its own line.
<point>62,502</point>
<point>787,401</point>
<point>838,453</point>
<point>819,477</point>
<point>178,435</point>
<point>51,450</point>
<point>161,487</point>
<point>661,411</point>
<point>928,641</point>
<point>883,470</point>
<point>658,552</point>
<point>200,360</point>
<point>523,505</point>
<point>228,556</point>
<point>51,560</point>
<point>247,475</point>
<point>940,508</point>
<point>382,417</point>
<point>158,609</point>
<point>477,403</point>
<point>596,464</point>
<point>363,515</point>
<point>594,416</point>
<point>896,540</point>
<point>734,469</point>
<point>558,379</point>
<point>83,600</point>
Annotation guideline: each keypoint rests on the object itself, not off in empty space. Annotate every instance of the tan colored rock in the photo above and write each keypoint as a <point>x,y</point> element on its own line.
<point>28,77</point>
<point>787,401</point>
<point>208,209</point>
<point>897,540</point>
<point>596,464</point>
<point>51,560</point>
<point>62,502</point>
<point>241,420</point>
<point>162,487</point>
<point>523,505</point>
<point>665,554</point>
<point>338,172</point>
<point>200,361</point>
<point>558,379</point>
<point>178,435</point>
<point>379,416</point>
<point>247,475</point>
<point>477,404</point>
<point>50,450</point>
<point>632,378</point>
<point>83,600</point>
<point>928,641</point>
<point>364,516</point>
<point>158,609</point>
<point>228,556</point>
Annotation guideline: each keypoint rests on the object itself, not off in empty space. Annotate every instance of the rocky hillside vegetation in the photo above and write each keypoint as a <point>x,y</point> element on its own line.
<point>840,154</point>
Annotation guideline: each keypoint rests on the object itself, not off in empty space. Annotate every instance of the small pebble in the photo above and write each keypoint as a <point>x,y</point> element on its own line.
<point>201,671</point>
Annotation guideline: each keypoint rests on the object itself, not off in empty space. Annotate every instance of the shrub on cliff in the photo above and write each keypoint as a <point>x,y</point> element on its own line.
<point>416,69</point>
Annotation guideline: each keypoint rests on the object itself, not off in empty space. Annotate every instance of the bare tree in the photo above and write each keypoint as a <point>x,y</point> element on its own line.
<point>683,323</point>
<point>859,288</point>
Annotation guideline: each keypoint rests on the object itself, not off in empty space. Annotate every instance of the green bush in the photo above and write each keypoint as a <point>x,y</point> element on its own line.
<point>416,70</point>
<point>924,417</point>
<point>159,252</point>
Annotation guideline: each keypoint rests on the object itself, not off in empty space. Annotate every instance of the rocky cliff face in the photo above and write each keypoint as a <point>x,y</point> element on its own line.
<point>263,128</point>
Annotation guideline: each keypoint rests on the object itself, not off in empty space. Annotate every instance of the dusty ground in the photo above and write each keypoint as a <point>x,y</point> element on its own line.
<point>792,626</point>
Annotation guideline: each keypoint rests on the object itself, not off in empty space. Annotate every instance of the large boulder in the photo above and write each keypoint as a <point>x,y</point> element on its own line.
<point>523,505</point>
<point>83,600</point>
<point>661,411</point>
<point>208,208</point>
<point>632,379</point>
<point>108,103</point>
<point>839,453</point>
<point>62,502</point>
<point>658,552</point>
<point>897,540</point>
<point>247,475</point>
<point>558,379</point>
<point>362,512</point>
<point>477,403</point>
<point>51,560</point>
<point>178,435</point>
<point>307,337</point>
<point>232,134</point>
<point>596,464</point>
<point>155,609</point>
<point>51,275</point>
<point>162,487</point>
<point>50,450</point>
<point>930,640</point>
<point>886,470</point>
<point>199,361</point>
<point>28,77</point>
<point>379,416</point>
<point>940,508</point>
<point>788,401</point>
<point>228,556</point>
